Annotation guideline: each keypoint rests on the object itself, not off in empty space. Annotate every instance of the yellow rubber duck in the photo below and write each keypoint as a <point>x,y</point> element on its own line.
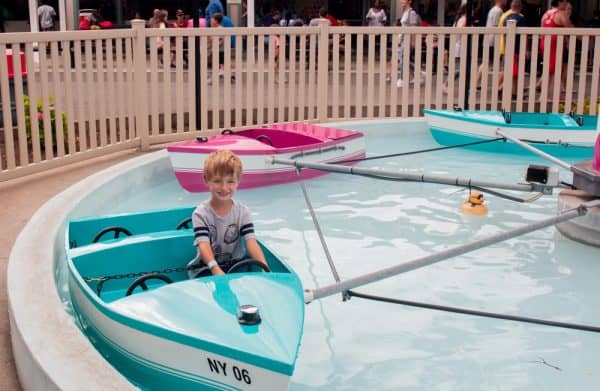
<point>474,205</point>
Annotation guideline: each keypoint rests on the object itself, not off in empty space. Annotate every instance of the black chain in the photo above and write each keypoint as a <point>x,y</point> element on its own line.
<point>137,274</point>
<point>101,280</point>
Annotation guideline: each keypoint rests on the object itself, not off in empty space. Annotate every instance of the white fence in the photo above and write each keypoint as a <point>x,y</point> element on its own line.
<point>96,92</point>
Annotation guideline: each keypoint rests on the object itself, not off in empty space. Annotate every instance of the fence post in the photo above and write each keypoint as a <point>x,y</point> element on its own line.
<point>139,82</point>
<point>323,71</point>
<point>509,57</point>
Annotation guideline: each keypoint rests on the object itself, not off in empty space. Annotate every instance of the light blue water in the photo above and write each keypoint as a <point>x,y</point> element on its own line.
<point>370,224</point>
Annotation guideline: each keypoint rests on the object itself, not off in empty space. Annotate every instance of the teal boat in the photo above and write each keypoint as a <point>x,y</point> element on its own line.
<point>133,299</point>
<point>562,135</point>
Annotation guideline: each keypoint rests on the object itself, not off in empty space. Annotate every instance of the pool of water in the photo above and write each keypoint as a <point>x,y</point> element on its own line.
<point>370,224</point>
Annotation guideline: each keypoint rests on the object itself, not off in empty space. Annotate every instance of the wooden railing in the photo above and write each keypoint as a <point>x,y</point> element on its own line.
<point>97,92</point>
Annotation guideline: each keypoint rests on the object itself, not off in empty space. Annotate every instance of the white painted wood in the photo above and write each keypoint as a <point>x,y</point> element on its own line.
<point>19,106</point>
<point>239,80</point>
<point>179,86</point>
<point>101,97</point>
<point>32,87</point>
<point>6,115</point>
<point>113,94</point>
<point>68,80</point>
<point>370,74</point>
<point>58,101</point>
<point>260,91</point>
<point>45,97</point>
<point>250,84</point>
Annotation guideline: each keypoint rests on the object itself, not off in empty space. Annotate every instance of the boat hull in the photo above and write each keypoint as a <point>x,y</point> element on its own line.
<point>188,158</point>
<point>449,128</point>
<point>160,363</point>
<point>184,334</point>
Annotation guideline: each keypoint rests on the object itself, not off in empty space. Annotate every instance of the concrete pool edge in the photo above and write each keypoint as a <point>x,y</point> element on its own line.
<point>50,351</point>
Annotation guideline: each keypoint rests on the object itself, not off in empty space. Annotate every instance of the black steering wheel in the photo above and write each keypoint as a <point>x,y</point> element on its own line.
<point>117,231</point>
<point>248,262</point>
<point>141,281</point>
<point>227,131</point>
<point>263,138</point>
<point>185,223</point>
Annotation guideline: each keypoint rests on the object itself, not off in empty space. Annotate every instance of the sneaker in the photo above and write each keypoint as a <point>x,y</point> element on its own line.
<point>399,83</point>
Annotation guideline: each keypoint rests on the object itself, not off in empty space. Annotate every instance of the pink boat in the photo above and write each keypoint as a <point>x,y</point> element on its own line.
<point>299,141</point>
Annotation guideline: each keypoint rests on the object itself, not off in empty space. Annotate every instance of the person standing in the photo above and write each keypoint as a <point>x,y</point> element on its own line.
<point>516,7</point>
<point>493,18</point>
<point>46,15</point>
<point>409,18</point>
<point>555,17</point>
<point>460,20</point>
<point>376,15</point>
<point>180,22</point>
<point>322,18</point>
<point>213,7</point>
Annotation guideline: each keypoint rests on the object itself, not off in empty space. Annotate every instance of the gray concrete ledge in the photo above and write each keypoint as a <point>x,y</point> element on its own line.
<point>50,351</point>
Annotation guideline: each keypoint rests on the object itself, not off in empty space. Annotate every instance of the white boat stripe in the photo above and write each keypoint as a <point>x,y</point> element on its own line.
<point>162,368</point>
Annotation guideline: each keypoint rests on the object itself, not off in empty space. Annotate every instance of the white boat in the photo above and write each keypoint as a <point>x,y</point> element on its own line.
<point>163,331</point>
<point>564,135</point>
<point>253,146</point>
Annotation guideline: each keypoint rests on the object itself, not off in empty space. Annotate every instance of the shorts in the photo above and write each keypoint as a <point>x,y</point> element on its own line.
<point>491,51</point>
<point>515,70</point>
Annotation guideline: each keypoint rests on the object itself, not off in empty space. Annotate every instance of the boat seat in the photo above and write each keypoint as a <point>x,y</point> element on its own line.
<point>127,240</point>
<point>85,231</point>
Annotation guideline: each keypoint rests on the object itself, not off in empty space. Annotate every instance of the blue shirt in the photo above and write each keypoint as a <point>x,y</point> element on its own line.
<point>521,22</point>
<point>213,7</point>
<point>228,23</point>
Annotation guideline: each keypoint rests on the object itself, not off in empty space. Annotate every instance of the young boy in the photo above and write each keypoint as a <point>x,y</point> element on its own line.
<point>220,222</point>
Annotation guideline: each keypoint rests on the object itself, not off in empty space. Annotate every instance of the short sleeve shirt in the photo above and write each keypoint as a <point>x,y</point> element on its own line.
<point>224,233</point>
<point>521,22</point>
<point>46,14</point>
<point>493,18</point>
<point>376,18</point>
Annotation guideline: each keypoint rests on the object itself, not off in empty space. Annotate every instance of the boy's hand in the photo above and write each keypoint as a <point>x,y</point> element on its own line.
<point>217,271</point>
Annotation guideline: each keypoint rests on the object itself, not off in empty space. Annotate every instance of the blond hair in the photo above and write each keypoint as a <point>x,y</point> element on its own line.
<point>222,162</point>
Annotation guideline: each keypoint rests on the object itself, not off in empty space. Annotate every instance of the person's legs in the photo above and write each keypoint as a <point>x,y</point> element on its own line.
<point>481,69</point>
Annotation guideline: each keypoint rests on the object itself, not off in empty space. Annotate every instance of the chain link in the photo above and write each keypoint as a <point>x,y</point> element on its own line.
<point>137,274</point>
<point>102,279</point>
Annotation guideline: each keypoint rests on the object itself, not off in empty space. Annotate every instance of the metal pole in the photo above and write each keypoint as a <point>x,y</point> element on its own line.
<point>314,294</point>
<point>408,177</point>
<point>515,140</point>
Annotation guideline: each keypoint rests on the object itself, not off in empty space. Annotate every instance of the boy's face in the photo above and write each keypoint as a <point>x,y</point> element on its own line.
<point>222,187</point>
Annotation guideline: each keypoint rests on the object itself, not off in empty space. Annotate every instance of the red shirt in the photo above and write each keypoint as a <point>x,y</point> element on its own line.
<point>332,20</point>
